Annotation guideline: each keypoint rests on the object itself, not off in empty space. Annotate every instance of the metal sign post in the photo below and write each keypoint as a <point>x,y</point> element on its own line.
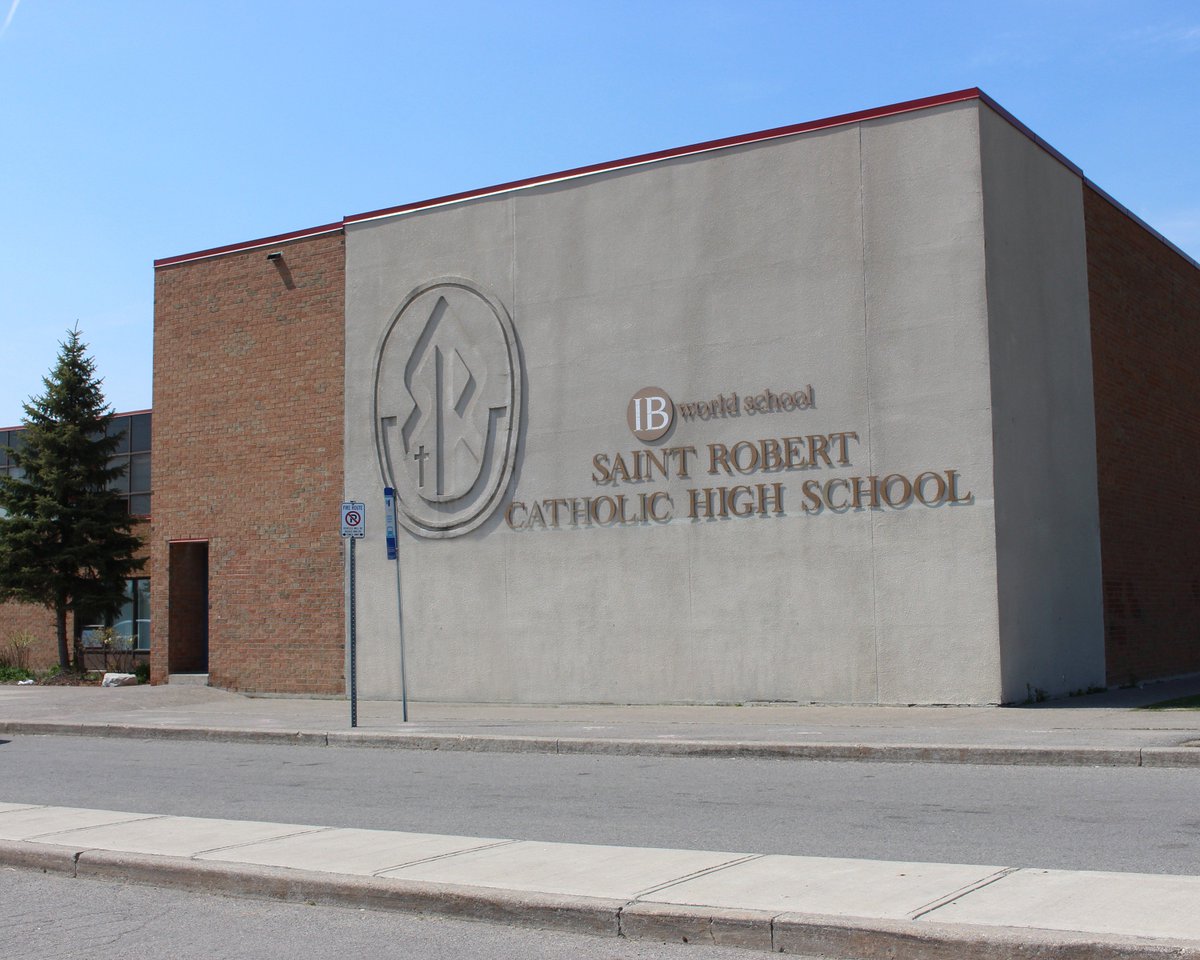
<point>389,506</point>
<point>354,528</point>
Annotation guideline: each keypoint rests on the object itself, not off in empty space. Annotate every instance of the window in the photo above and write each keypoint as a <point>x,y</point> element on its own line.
<point>132,453</point>
<point>131,620</point>
<point>10,438</point>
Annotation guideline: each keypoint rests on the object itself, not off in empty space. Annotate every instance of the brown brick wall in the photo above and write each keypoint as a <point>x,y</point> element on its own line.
<point>18,617</point>
<point>248,414</point>
<point>1145,306</point>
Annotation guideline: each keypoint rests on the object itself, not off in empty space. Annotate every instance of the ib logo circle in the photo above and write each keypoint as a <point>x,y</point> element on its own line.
<point>651,413</point>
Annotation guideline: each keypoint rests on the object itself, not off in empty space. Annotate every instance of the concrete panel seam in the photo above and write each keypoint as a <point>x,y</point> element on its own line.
<point>658,888</point>
<point>442,856</point>
<point>28,806</point>
<point>862,237</point>
<point>961,892</point>
<point>252,843</point>
<point>38,838</point>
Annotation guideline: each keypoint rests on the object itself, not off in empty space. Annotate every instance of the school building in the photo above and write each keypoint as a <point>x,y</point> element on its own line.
<point>891,407</point>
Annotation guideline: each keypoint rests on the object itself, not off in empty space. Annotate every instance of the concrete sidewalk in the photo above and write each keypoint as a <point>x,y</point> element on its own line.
<point>807,905</point>
<point>1102,729</point>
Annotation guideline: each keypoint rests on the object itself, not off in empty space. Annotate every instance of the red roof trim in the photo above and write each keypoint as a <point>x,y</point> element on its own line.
<point>249,244</point>
<point>972,93</point>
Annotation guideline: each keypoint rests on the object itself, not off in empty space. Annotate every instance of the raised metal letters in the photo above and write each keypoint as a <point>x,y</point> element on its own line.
<point>447,406</point>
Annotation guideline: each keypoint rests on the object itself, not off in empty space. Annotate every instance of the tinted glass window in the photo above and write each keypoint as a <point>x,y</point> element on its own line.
<point>141,432</point>
<point>121,483</point>
<point>139,472</point>
<point>119,427</point>
<point>139,505</point>
<point>143,613</point>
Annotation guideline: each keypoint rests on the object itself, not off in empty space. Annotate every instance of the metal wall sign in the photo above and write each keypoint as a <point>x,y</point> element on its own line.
<point>389,520</point>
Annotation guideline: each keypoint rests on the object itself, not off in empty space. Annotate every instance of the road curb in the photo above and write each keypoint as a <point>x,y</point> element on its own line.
<point>643,747</point>
<point>43,857</point>
<point>749,929</point>
<point>544,911</point>
<point>1188,756</point>
<point>925,940</point>
<point>754,929</point>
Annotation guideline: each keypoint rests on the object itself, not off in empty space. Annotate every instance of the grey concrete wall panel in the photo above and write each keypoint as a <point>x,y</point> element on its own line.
<point>927,386</point>
<point>1047,504</point>
<point>851,259</point>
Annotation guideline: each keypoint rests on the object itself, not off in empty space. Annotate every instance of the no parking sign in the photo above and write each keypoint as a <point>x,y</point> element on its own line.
<point>354,519</point>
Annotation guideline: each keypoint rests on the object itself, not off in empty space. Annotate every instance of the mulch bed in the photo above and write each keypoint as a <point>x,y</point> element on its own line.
<point>70,679</point>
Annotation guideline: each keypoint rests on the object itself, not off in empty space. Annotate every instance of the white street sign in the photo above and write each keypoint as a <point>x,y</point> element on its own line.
<point>354,519</point>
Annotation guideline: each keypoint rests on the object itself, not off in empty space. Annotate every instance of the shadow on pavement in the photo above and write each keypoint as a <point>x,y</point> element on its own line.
<point>1141,695</point>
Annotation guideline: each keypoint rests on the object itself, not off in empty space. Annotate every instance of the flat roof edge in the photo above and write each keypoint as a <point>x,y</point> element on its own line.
<point>774,133</point>
<point>122,413</point>
<point>1141,223</point>
<point>908,106</point>
<point>1057,155</point>
<point>249,244</point>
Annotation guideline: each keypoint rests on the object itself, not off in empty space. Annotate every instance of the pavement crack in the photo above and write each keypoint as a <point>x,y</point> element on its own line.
<point>962,892</point>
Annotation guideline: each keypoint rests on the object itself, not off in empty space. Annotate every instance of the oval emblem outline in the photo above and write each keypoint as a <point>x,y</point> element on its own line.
<point>485,502</point>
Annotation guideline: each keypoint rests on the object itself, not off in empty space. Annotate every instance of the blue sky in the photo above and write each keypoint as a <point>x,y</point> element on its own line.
<point>136,130</point>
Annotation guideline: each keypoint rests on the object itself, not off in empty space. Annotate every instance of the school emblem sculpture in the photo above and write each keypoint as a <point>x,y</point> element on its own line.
<point>447,406</point>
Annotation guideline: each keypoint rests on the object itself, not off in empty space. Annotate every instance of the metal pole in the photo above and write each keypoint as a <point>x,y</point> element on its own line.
<point>353,644</point>
<point>400,621</point>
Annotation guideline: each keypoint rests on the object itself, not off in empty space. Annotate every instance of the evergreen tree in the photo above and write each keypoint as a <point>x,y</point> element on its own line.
<point>67,540</point>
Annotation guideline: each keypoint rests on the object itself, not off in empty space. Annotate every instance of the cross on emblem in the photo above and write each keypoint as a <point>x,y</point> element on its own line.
<point>421,456</point>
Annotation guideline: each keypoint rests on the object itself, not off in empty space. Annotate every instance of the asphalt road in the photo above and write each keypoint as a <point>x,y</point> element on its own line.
<point>1104,818</point>
<point>47,917</point>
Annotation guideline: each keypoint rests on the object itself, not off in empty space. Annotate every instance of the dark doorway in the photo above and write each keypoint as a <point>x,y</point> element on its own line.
<point>187,618</point>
